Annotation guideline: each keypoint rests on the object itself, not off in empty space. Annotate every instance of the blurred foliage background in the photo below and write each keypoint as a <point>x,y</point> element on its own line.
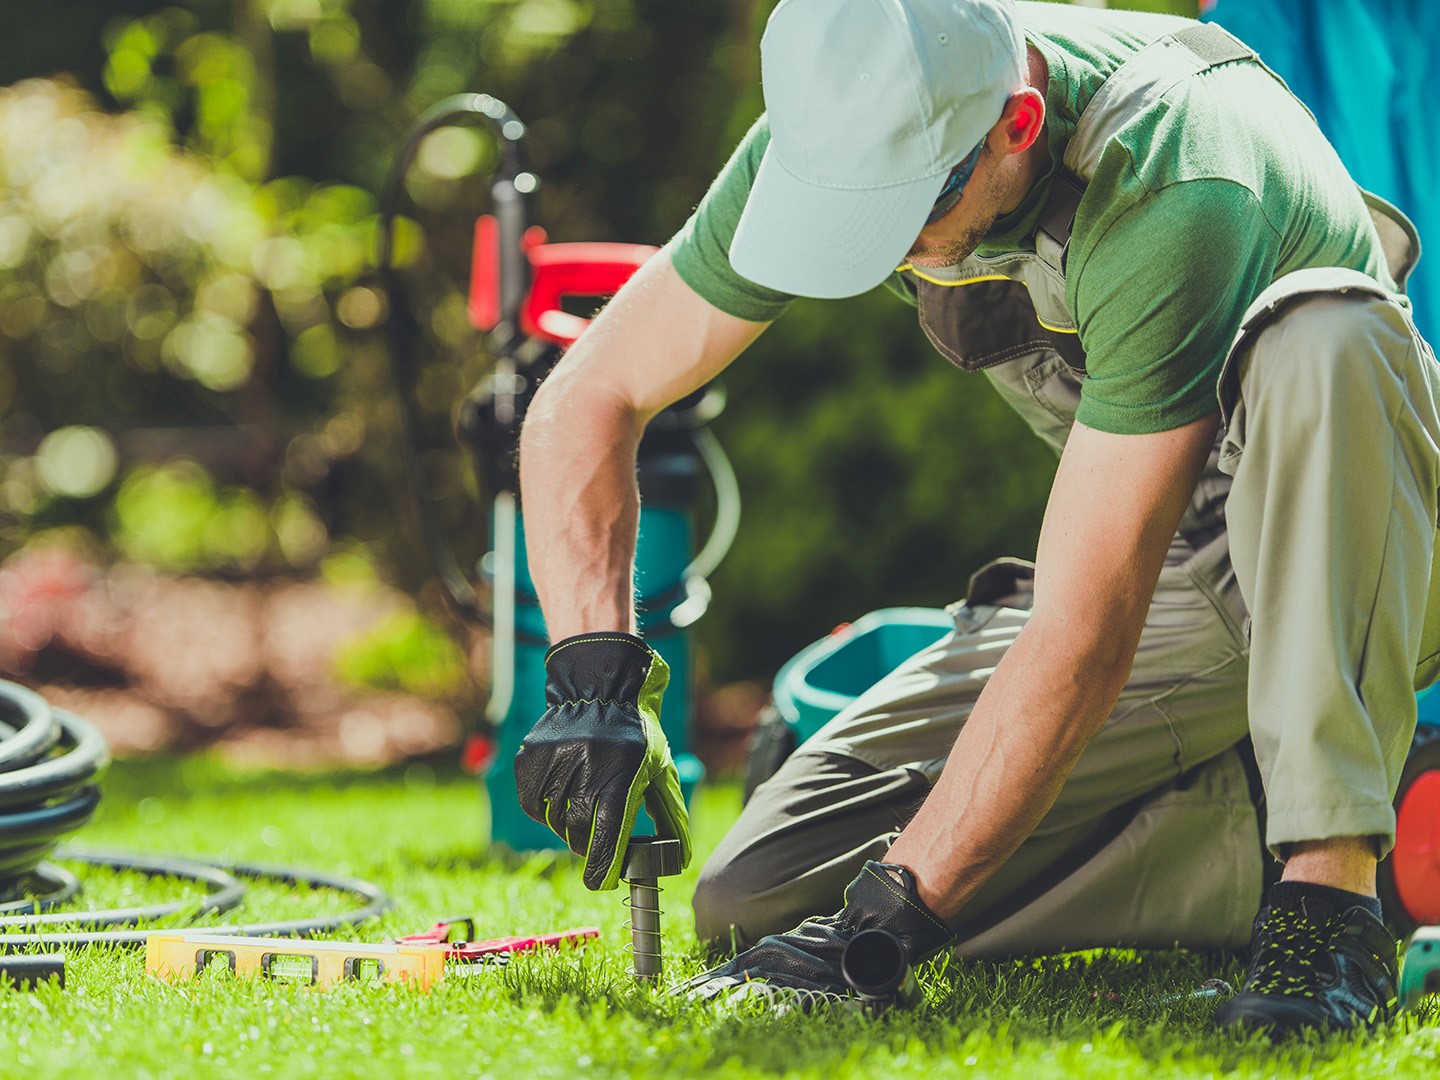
<point>192,373</point>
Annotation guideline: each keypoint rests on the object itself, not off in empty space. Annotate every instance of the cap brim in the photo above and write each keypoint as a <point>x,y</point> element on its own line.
<point>806,240</point>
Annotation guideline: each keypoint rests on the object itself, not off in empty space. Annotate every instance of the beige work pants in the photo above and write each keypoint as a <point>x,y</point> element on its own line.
<point>1312,646</point>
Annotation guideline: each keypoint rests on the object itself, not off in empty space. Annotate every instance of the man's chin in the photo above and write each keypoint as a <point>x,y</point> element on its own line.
<point>956,247</point>
<point>936,259</point>
<point>933,260</point>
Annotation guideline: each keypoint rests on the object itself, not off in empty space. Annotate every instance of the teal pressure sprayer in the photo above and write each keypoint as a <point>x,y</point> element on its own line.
<point>519,290</point>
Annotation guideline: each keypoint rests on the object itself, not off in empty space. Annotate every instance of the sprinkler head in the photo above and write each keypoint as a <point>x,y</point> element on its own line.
<point>651,857</point>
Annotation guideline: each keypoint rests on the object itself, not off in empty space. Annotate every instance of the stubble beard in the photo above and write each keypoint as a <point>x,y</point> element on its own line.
<point>955,252</point>
<point>987,205</point>
<point>962,247</point>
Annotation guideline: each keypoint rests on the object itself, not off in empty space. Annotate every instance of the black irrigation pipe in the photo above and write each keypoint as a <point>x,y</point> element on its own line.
<point>375,902</point>
<point>225,893</point>
<point>50,763</point>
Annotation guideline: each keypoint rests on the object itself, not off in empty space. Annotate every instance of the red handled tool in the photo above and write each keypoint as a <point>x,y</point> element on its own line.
<point>493,950</point>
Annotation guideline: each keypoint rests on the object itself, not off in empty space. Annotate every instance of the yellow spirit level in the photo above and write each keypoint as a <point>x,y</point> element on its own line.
<point>316,963</point>
<point>419,959</point>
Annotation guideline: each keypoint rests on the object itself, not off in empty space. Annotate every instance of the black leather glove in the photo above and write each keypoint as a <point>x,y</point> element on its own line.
<point>599,751</point>
<point>807,959</point>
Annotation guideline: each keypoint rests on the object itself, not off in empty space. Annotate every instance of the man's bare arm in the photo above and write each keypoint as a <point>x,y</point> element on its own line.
<point>655,342</point>
<point>1116,502</point>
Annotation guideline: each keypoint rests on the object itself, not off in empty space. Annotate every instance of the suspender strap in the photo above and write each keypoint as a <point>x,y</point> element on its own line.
<point>1213,44</point>
<point>1052,230</point>
<point>1143,80</point>
<point>1135,86</point>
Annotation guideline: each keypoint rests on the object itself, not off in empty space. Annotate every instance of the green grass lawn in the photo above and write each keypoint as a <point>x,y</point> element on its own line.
<point>577,1014</point>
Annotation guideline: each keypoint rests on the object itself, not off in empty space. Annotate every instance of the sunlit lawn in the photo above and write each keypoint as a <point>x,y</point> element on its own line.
<point>421,837</point>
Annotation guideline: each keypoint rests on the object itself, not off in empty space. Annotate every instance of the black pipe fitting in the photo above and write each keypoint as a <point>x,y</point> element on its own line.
<point>875,966</point>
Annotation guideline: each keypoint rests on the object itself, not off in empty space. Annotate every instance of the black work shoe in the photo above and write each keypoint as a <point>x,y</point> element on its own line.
<point>1314,968</point>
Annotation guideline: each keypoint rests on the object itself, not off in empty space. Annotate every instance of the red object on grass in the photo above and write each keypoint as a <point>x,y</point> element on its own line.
<point>1416,859</point>
<point>557,271</point>
<point>469,951</point>
<point>475,950</point>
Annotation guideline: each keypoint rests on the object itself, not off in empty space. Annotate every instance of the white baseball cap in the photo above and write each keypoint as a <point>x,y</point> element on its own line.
<point>871,104</point>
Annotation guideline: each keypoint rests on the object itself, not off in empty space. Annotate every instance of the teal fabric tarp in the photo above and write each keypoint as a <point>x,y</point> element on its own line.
<point>1363,68</point>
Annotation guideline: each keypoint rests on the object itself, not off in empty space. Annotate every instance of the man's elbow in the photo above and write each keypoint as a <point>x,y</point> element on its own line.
<point>546,406</point>
<point>570,399</point>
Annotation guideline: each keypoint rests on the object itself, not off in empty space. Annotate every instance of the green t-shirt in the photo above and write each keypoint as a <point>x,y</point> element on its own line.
<point>1195,206</point>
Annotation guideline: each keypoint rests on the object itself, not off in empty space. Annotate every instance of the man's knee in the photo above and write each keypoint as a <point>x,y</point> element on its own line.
<point>714,904</point>
<point>729,912</point>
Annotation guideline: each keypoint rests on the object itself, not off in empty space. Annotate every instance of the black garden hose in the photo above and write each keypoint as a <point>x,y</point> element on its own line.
<point>375,903</point>
<point>50,765</point>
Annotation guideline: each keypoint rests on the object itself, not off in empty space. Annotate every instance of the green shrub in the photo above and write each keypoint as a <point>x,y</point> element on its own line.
<point>404,651</point>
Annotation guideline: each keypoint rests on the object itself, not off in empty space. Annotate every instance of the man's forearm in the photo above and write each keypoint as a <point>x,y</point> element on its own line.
<point>1024,736</point>
<point>1115,504</point>
<point>577,482</point>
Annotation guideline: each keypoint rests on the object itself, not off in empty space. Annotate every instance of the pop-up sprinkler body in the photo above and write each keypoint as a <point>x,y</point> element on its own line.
<point>648,858</point>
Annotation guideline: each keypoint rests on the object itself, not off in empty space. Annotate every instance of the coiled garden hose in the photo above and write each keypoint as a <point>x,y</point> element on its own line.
<point>50,764</point>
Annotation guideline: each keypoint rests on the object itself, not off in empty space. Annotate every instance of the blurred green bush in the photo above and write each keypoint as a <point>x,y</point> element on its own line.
<point>190,364</point>
<point>407,652</point>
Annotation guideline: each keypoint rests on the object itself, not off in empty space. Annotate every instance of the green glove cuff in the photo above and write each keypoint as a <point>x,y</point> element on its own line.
<point>656,784</point>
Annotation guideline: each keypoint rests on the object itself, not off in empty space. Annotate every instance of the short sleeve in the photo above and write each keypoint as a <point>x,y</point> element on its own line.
<point>1159,299</point>
<point>700,251</point>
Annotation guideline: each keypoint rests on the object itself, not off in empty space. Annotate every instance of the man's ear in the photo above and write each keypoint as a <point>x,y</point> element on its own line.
<point>1021,122</point>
